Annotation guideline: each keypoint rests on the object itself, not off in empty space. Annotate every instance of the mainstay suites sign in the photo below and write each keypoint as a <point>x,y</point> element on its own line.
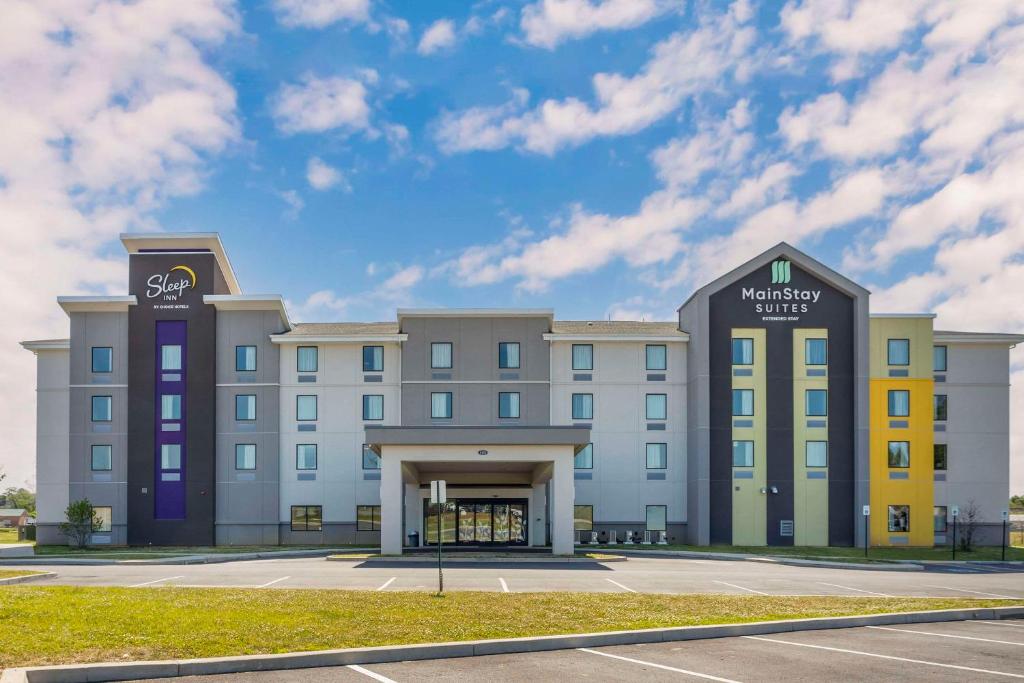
<point>780,303</point>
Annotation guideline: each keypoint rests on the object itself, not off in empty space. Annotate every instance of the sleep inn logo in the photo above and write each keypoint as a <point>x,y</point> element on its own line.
<point>781,303</point>
<point>168,288</point>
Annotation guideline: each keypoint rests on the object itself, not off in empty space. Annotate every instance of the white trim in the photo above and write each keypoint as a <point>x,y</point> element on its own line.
<point>250,302</point>
<point>901,315</point>
<point>476,381</point>
<point>476,312</point>
<point>97,386</point>
<point>597,337</point>
<point>248,384</point>
<point>134,241</point>
<point>47,345</point>
<point>336,338</point>
<point>977,338</point>
<point>96,304</point>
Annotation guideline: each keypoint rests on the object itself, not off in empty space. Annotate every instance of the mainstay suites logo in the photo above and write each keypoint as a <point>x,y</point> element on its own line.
<point>168,288</point>
<point>781,303</point>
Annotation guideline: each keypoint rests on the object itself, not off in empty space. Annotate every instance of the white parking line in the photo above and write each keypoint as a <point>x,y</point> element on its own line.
<point>851,588</point>
<point>742,588</point>
<point>504,586</point>
<point>625,588</point>
<point>271,583</point>
<point>964,590</point>
<point>999,623</point>
<point>946,635</point>
<point>371,674</point>
<point>150,583</point>
<point>657,666</point>
<point>387,583</point>
<point>874,654</point>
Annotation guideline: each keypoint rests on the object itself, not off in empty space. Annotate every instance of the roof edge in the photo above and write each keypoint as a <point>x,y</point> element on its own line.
<point>38,345</point>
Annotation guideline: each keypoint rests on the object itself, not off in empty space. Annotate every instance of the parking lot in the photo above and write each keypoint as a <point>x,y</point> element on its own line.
<point>638,574</point>
<point>958,651</point>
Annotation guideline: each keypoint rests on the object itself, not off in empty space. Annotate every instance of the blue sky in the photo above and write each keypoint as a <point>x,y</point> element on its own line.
<point>601,157</point>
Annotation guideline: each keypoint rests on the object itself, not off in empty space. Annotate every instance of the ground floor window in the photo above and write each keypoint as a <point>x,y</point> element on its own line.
<point>940,518</point>
<point>583,517</point>
<point>899,518</point>
<point>657,518</point>
<point>368,517</point>
<point>105,517</point>
<point>307,518</point>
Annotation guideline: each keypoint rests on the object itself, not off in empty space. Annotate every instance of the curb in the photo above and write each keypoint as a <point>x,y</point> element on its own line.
<point>213,558</point>
<point>455,560</point>
<point>83,673</point>
<point>889,566</point>
<point>27,578</point>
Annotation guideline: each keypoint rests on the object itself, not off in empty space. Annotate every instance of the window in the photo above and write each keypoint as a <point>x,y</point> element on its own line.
<point>899,352</point>
<point>899,403</point>
<point>102,409</point>
<point>940,407</point>
<point>816,454</point>
<point>899,454</point>
<point>657,357</point>
<point>105,517</point>
<point>508,404</point>
<point>656,518</point>
<point>657,456</point>
<point>657,407</point>
<point>508,355</point>
<point>742,351</point>
<point>582,356</point>
<point>245,359</point>
<point>743,402</point>
<point>584,460</point>
<point>371,461</point>
<point>170,407</point>
<point>102,359</point>
<point>368,517</point>
<point>940,514</point>
<point>939,356</point>
<point>816,351</point>
<point>899,518</point>
<point>245,407</point>
<point>816,402</point>
<point>583,517</point>
<point>583,406</point>
<point>170,357</point>
<point>305,408</point>
<point>373,359</point>
<point>245,456</point>
<point>170,456</point>
<point>307,518</point>
<point>102,458</point>
<point>373,407</point>
<point>742,453</point>
<point>305,456</point>
<point>940,456</point>
<point>306,359</point>
<point>441,405</point>
<point>441,355</point>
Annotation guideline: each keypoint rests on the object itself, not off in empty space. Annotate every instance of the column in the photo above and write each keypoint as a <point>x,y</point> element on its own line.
<point>563,497</point>
<point>413,511</point>
<point>391,490</point>
<point>538,515</point>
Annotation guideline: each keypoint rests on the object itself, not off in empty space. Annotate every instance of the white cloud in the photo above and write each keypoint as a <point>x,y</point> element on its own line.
<point>639,308</point>
<point>439,36</point>
<point>682,161</point>
<point>315,105</point>
<point>101,125</point>
<point>546,23</point>
<point>378,301</point>
<point>320,13</point>
<point>323,177</point>
<point>681,65</point>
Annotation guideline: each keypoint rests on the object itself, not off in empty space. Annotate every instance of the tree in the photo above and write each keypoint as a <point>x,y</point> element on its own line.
<point>15,497</point>
<point>1017,502</point>
<point>967,525</point>
<point>81,522</point>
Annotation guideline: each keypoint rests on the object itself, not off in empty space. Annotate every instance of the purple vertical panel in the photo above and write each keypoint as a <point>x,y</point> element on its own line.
<point>169,484</point>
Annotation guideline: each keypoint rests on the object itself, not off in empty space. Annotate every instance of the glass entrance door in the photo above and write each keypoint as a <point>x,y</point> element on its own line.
<point>476,522</point>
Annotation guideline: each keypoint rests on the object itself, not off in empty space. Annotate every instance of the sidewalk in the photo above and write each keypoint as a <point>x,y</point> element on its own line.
<point>202,558</point>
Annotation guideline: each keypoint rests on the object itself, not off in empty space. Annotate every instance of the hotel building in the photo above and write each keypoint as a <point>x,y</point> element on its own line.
<point>775,411</point>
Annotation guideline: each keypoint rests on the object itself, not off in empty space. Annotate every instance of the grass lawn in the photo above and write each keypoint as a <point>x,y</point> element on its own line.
<point>10,536</point>
<point>76,624</point>
<point>12,573</point>
<point>153,552</point>
<point>842,554</point>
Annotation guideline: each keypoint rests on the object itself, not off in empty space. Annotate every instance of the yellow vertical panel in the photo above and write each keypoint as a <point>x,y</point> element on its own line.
<point>810,493</point>
<point>749,505</point>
